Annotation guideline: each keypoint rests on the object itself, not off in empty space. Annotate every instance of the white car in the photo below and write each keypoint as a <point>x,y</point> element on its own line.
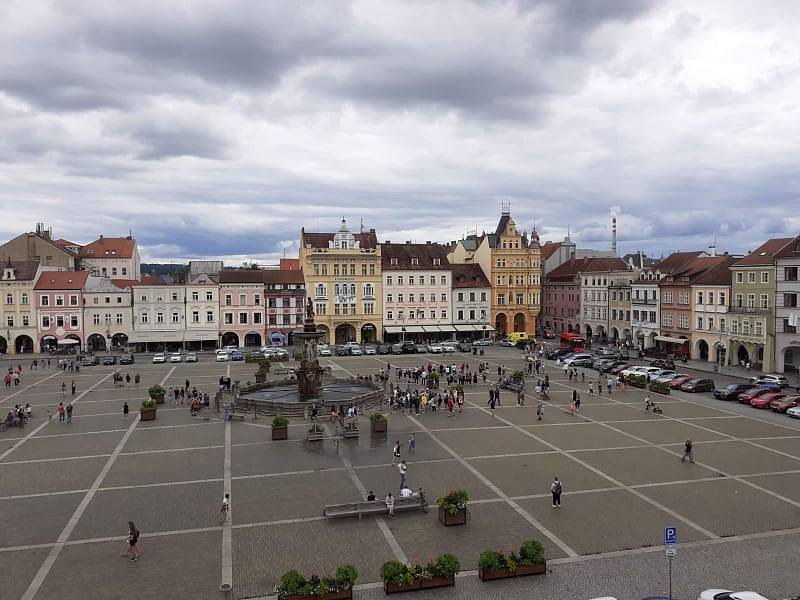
<point>641,371</point>
<point>355,350</point>
<point>794,412</point>
<point>715,594</point>
<point>668,376</point>
<point>435,348</point>
<point>222,356</point>
<point>229,349</point>
<point>778,379</point>
<point>449,347</point>
<point>370,350</point>
<point>191,357</point>
<point>160,357</point>
<point>175,357</point>
<point>323,350</point>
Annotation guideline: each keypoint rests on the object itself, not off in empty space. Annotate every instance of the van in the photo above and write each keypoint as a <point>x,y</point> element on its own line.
<point>519,336</point>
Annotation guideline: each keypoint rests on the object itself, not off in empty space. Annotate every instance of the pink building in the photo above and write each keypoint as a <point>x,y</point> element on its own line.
<point>286,294</point>
<point>59,308</point>
<point>241,307</point>
<point>561,298</point>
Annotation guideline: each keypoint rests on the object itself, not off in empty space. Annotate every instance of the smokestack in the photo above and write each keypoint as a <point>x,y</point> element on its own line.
<point>614,235</point>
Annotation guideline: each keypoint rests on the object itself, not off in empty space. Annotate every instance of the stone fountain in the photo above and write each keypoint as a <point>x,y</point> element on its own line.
<point>309,374</point>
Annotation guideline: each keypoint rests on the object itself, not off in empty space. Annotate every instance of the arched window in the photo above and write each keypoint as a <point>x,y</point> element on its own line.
<point>24,298</point>
<point>352,289</point>
<point>368,291</point>
<point>336,289</point>
<point>320,290</point>
<point>9,299</point>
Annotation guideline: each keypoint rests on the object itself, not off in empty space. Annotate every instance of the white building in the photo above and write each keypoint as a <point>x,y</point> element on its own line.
<point>472,294</point>
<point>17,309</point>
<point>417,287</point>
<point>107,313</point>
<point>594,311</point>
<point>159,314</point>
<point>787,309</point>
<point>117,258</point>
<point>202,312</point>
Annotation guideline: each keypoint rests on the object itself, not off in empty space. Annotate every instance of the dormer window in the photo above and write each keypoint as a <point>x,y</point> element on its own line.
<point>437,262</point>
<point>8,274</point>
<point>414,262</point>
<point>393,261</point>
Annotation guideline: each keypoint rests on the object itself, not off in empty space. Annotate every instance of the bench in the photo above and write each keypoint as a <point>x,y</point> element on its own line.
<point>515,386</point>
<point>375,507</point>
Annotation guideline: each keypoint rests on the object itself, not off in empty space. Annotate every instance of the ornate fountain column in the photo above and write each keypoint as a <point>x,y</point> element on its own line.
<point>309,374</point>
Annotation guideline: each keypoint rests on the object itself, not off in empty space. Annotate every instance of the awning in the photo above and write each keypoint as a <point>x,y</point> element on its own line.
<point>432,329</point>
<point>464,327</point>
<point>447,328</point>
<point>68,342</point>
<point>393,329</point>
<point>201,335</point>
<point>414,329</point>
<point>141,337</point>
<point>671,340</point>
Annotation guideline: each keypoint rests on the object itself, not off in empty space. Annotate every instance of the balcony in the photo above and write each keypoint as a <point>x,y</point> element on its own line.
<point>748,310</point>
<point>644,301</point>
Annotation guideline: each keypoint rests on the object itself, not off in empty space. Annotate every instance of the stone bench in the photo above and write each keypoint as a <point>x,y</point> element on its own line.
<point>514,386</point>
<point>375,507</point>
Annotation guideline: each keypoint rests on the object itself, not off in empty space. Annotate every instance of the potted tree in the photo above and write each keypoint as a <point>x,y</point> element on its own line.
<point>315,433</point>
<point>453,508</point>
<point>147,412</point>
<point>263,369</point>
<point>157,393</point>
<point>294,586</point>
<point>280,428</point>
<point>398,577</point>
<point>497,565</point>
<point>441,572</point>
<point>378,423</point>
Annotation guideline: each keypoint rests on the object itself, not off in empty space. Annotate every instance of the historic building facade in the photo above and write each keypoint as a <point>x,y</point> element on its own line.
<point>285,293</point>
<point>343,278</point>
<point>59,308</point>
<point>710,295</point>
<point>595,277</point>
<point>242,308</point>
<point>18,328</point>
<point>619,306</point>
<point>471,295</point>
<point>107,313</point>
<point>117,258</point>
<point>787,309</point>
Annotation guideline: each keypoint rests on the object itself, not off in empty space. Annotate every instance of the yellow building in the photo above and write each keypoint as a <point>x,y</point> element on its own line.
<point>343,278</point>
<point>513,264</point>
<point>17,310</point>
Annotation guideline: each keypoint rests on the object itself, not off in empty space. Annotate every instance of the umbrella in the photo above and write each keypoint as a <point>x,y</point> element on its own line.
<point>68,342</point>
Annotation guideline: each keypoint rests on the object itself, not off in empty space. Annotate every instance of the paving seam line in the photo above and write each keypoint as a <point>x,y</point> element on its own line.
<point>28,387</point>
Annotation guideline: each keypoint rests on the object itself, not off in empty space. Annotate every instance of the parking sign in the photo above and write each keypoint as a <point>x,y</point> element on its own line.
<point>670,536</point>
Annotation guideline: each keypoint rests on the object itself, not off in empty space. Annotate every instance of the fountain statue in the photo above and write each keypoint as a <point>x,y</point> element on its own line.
<point>309,374</point>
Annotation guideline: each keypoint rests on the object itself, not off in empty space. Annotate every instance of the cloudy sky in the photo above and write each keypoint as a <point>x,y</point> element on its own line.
<point>220,128</point>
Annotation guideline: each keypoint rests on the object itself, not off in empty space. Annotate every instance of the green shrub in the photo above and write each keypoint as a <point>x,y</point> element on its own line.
<point>659,387</point>
<point>156,392</point>
<point>148,405</point>
<point>531,553</point>
<point>492,560</point>
<point>377,417</point>
<point>637,381</point>
<point>346,576</point>
<point>453,502</point>
<point>295,584</point>
<point>396,573</point>
<point>280,423</point>
<point>445,565</point>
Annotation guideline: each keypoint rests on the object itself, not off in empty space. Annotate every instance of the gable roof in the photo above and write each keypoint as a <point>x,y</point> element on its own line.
<point>469,276</point>
<point>283,276</point>
<point>719,274</point>
<point>502,223</point>
<point>676,260</point>
<point>367,240</point>
<point>24,270</point>
<point>150,279</point>
<point>790,250</point>
<point>549,248</point>
<point>570,269</point>
<point>403,254</point>
<point>61,280</point>
<point>764,254</point>
<point>105,247</point>
<point>241,276</point>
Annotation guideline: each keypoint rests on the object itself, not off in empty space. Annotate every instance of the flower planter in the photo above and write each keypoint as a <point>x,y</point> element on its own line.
<point>378,426</point>
<point>436,582</point>
<point>148,415</point>
<point>343,595</point>
<point>397,588</point>
<point>280,433</point>
<point>157,399</point>
<point>448,520</point>
<point>522,571</point>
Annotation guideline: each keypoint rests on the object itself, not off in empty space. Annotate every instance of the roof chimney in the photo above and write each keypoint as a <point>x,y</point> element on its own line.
<point>614,235</point>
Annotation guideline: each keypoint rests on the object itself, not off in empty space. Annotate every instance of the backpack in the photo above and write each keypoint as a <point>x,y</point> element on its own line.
<point>557,487</point>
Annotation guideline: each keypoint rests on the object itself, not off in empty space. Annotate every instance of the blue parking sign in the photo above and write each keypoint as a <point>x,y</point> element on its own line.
<point>670,536</point>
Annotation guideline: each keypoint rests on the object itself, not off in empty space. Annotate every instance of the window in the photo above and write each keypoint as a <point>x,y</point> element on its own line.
<point>242,318</point>
<point>195,316</point>
<point>389,315</point>
<point>320,291</point>
<point>722,324</point>
<point>144,318</point>
<point>790,300</point>
<point>401,315</point>
<point>24,299</point>
<point>257,299</point>
<point>711,297</point>
<point>369,290</point>
<point>25,321</point>
<point>393,261</point>
<point>119,318</point>
<point>363,268</point>
<point>411,297</point>
<point>790,273</point>
<point>228,299</point>
<point>667,297</point>
<point>734,326</point>
<point>59,300</point>
<point>460,296</point>
<point>520,298</point>
<point>759,327</point>
<point>353,269</point>
<point>501,299</point>
<point>388,297</point>
<point>751,300</point>
<point>242,299</point>
<point>399,280</point>
<point>195,296</point>
<point>472,314</point>
<point>388,280</point>
<point>443,280</point>
<point>9,299</point>
<point>765,277</point>
<point>113,270</point>
<point>700,323</point>
<point>175,317</point>
<point>159,297</point>
<point>159,317</point>
<point>73,321</point>
<point>209,296</point>
<point>746,326</point>
<point>444,297</point>
<point>711,323</point>
<point>400,297</point>
<point>443,314</point>
<point>683,298</point>
<point>45,321</point>
<point>174,296</point>
<point>95,319</point>
<point>124,270</point>
<point>764,301</point>
<point>483,296</point>
<point>257,318</point>
<point>411,280</point>
<point>369,308</point>
<point>751,277</point>
<point>322,308</point>
<point>699,297</point>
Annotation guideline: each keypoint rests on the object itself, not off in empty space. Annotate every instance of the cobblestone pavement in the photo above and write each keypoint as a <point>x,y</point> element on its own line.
<point>68,490</point>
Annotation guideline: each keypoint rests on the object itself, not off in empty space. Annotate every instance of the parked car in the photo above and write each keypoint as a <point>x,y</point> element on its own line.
<point>90,361</point>
<point>668,377</point>
<point>618,369</point>
<point>600,362</point>
<point>785,403</point>
<point>421,348</point>
<point>664,363</point>
<point>191,357</point>
<point>655,375</point>
<point>579,359</point>
<point>794,412</point>
<point>435,348</point>
<point>718,594</point>
<point>110,360</point>
<point>731,391</point>
<point>370,349</point>
<point>355,350</point>
<point>449,347</point>
<point>229,349</point>
<point>222,356</point>
<point>323,350</point>
<point>507,343</point>
<point>766,400</point>
<point>698,385</point>
<point>159,358</point>
<point>549,334</point>
<point>175,357</point>
<point>776,379</point>
<point>556,353</point>
<point>676,383</point>
<point>383,349</point>
<point>342,350</point>
<point>408,348</point>
<point>237,355</point>
<point>641,370</point>
<point>396,348</point>
<point>609,367</point>
<point>127,359</point>
<point>746,396</point>
<point>482,342</point>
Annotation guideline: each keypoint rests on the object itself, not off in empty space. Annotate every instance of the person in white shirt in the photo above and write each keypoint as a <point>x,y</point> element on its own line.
<point>402,468</point>
<point>406,493</point>
<point>390,504</point>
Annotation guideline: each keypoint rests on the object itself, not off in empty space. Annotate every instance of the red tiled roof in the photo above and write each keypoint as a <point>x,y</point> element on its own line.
<point>469,276</point>
<point>549,249</point>
<point>273,276</point>
<point>125,283</point>
<point>65,244</point>
<point>719,274</point>
<point>109,247</point>
<point>764,254</point>
<point>676,260</point>
<point>573,266</point>
<point>404,253</point>
<point>290,264</point>
<point>241,276</point>
<point>320,240</point>
<point>150,279</point>
<point>790,250</point>
<point>61,280</point>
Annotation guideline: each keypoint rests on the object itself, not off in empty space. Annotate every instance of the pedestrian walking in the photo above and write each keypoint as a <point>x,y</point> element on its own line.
<point>125,410</point>
<point>390,504</point>
<point>577,402</point>
<point>63,388</point>
<point>223,510</point>
<point>61,412</point>
<point>555,489</point>
<point>412,443</point>
<point>492,402</point>
<point>136,379</point>
<point>687,452</point>
<point>69,413</point>
<point>396,452</point>
<point>73,387</point>
<point>133,538</point>
<point>539,411</point>
<point>403,469</point>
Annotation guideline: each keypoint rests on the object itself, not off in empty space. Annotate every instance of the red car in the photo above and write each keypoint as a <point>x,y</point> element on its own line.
<point>765,400</point>
<point>676,383</point>
<point>746,397</point>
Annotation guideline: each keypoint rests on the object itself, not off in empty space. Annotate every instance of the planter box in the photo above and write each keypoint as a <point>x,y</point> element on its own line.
<point>312,436</point>
<point>394,588</point>
<point>343,595</point>
<point>378,426</point>
<point>158,399</point>
<point>436,582</point>
<point>448,520</point>
<point>522,571</point>
<point>148,415</point>
<point>280,433</point>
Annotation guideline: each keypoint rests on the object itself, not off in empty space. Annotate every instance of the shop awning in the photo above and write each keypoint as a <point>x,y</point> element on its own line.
<point>68,342</point>
<point>200,335</point>
<point>393,329</point>
<point>141,337</point>
<point>671,340</point>
<point>464,327</point>
<point>447,328</point>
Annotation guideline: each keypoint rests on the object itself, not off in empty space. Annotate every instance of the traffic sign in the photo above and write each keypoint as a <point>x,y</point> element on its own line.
<point>670,536</point>
<point>672,552</point>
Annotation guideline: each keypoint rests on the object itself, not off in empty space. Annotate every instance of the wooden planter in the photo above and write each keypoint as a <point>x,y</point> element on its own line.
<point>396,588</point>
<point>522,571</point>
<point>436,582</point>
<point>157,399</point>
<point>280,433</point>
<point>448,520</point>
<point>148,415</point>
<point>343,595</point>
<point>378,426</point>
<point>315,436</point>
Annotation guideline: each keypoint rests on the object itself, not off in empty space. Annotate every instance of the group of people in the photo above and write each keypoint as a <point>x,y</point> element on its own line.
<point>14,376</point>
<point>19,415</point>
<point>120,380</point>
